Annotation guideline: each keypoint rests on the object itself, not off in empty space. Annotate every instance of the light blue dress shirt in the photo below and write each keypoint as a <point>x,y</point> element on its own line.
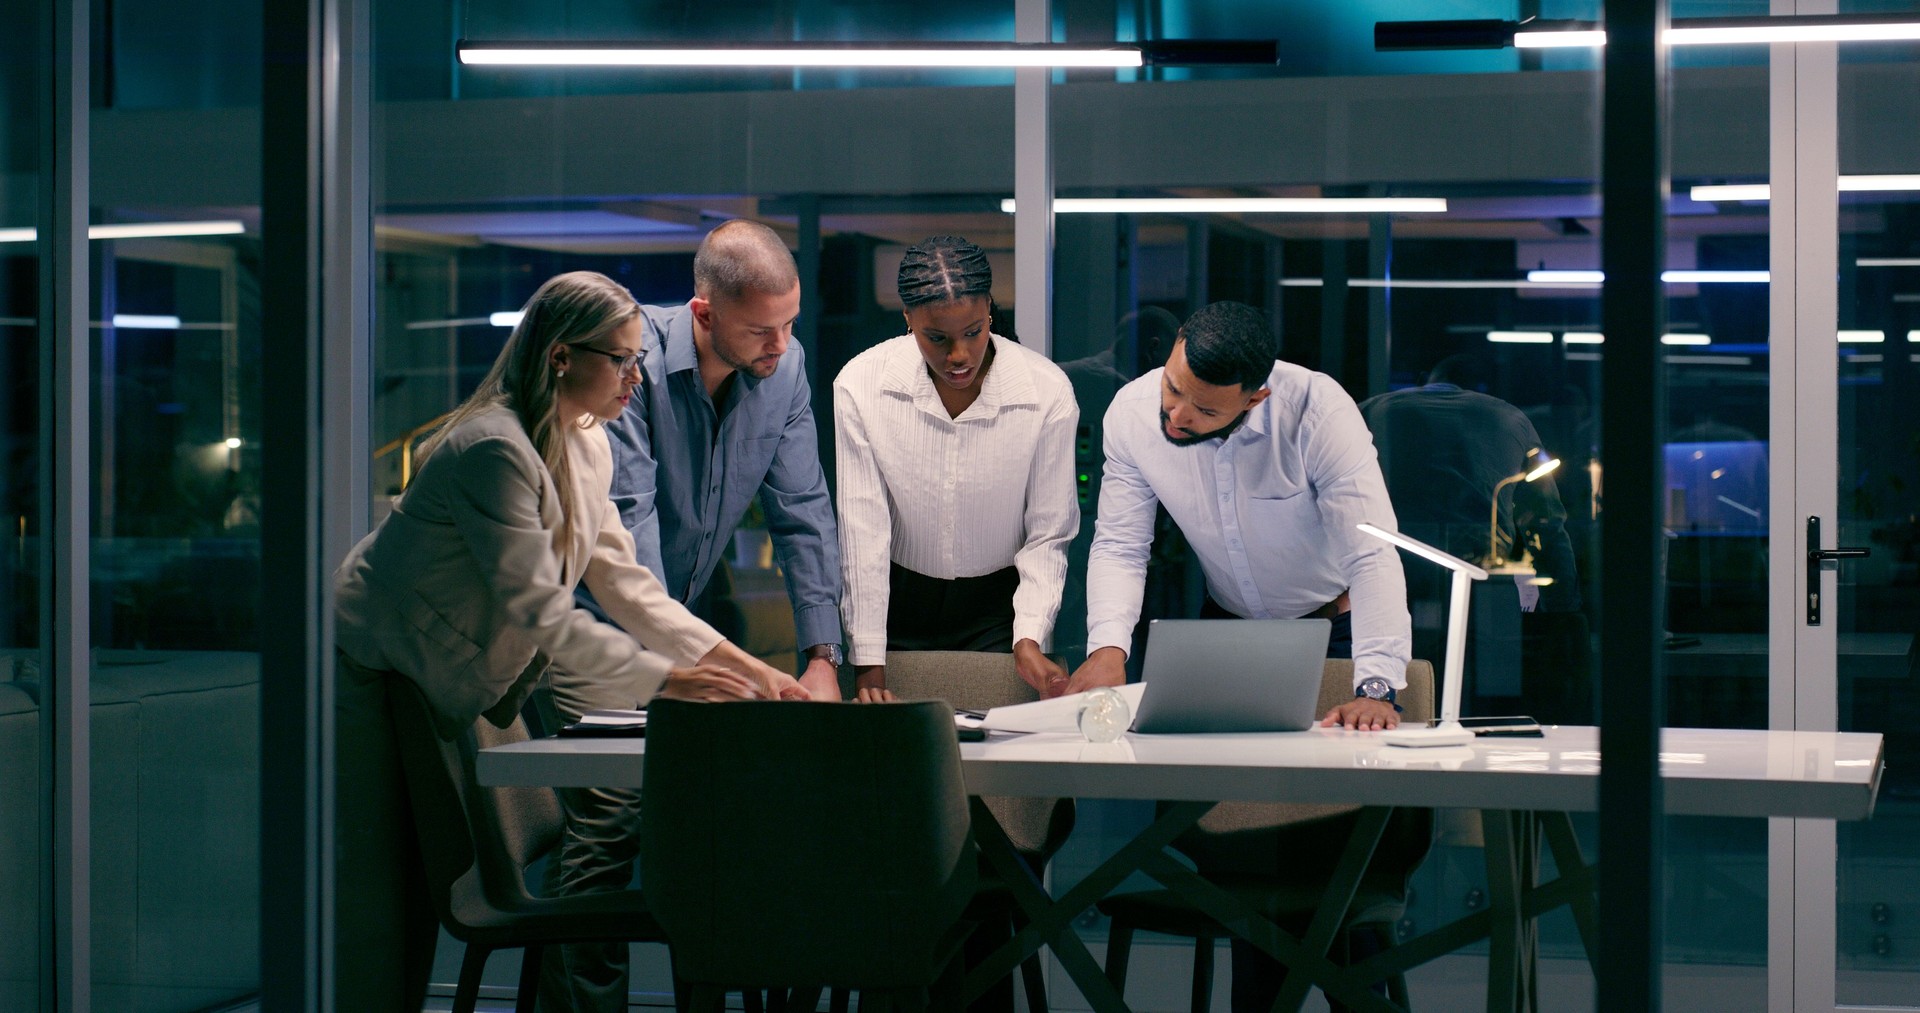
<point>685,471</point>
<point>1270,511</point>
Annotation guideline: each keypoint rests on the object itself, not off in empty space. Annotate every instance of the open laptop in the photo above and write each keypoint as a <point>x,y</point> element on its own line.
<point>1232,675</point>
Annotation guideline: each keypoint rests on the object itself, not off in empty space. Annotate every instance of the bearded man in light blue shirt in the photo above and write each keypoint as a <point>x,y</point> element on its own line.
<point>1267,468</point>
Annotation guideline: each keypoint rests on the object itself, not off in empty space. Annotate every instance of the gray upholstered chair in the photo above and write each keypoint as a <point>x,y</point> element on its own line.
<point>476,843</point>
<point>1037,827</point>
<point>806,846</point>
<point>1243,845</point>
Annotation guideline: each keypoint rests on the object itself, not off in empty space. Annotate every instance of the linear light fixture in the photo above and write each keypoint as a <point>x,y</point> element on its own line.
<point>137,230</point>
<point>1672,277</point>
<point>1521,337</point>
<point>1762,191</point>
<point>1242,205</point>
<point>506,318</point>
<point>1862,337</point>
<point>1682,31</point>
<point>1685,339</point>
<point>1887,262</point>
<point>1583,338</point>
<point>146,321</point>
<point>1155,53</point>
<point>1913,337</point>
<point>1534,33</point>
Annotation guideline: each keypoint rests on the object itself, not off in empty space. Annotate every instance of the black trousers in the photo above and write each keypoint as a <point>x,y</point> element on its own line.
<point>963,614</point>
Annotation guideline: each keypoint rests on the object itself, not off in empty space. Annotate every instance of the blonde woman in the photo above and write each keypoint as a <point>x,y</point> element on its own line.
<point>467,589</point>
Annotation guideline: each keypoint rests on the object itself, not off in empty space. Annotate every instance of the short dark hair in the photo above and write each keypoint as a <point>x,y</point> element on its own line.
<point>1230,342</point>
<point>1464,370</point>
<point>944,269</point>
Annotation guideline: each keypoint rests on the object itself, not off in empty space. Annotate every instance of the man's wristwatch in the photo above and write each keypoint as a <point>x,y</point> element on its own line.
<point>1376,688</point>
<point>831,652</point>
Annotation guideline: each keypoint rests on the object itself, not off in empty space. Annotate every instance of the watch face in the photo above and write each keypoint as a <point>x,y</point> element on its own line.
<point>1375,688</point>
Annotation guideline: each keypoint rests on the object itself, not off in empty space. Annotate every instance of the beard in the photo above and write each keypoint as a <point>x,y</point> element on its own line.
<point>1192,439</point>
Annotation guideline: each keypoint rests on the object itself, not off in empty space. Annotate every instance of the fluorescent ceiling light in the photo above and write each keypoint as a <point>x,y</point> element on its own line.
<point>1521,337</point>
<point>1887,262</point>
<point>1862,337</point>
<point>1913,337</point>
<point>1579,277</point>
<point>1731,192</point>
<point>233,443</point>
<point>506,318</point>
<point>1847,184</point>
<point>1583,337</point>
<point>146,321</point>
<point>1536,33</point>
<point>137,230</point>
<point>1151,53</point>
<point>1241,205</point>
<point>1571,39</point>
<point>1676,277</point>
<point>1685,339</point>
<point>893,56</point>
<point>1714,277</point>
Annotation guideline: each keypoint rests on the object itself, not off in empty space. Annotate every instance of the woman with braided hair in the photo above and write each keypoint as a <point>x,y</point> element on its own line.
<point>955,473</point>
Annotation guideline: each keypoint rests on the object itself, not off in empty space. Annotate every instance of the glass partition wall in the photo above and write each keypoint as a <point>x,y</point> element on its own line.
<point>488,181</point>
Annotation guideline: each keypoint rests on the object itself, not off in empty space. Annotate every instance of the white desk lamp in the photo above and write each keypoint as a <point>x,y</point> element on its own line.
<point>1448,732</point>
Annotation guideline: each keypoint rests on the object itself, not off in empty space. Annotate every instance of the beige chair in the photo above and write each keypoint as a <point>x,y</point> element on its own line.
<point>1037,827</point>
<point>1242,845</point>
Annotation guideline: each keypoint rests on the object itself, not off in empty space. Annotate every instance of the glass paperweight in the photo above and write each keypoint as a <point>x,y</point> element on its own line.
<point>1104,716</point>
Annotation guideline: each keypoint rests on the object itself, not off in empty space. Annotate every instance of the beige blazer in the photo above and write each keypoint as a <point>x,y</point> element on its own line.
<point>465,588</point>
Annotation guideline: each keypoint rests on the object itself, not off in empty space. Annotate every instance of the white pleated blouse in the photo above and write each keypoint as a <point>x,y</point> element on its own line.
<point>953,497</point>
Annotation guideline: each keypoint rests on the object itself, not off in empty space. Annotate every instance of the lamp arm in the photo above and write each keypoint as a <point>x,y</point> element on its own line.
<point>1456,663</point>
<point>1493,519</point>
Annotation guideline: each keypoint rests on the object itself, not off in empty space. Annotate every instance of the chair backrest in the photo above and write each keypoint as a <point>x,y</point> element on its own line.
<point>476,842</point>
<point>1336,688</point>
<point>801,844</point>
<point>979,680</point>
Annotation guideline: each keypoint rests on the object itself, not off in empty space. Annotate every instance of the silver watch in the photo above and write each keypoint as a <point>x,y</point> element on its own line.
<point>834,655</point>
<point>1375,688</point>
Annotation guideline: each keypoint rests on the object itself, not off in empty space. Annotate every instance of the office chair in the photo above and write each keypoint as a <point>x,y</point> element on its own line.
<point>476,843</point>
<point>1242,846</point>
<point>807,846</point>
<point>1037,827</point>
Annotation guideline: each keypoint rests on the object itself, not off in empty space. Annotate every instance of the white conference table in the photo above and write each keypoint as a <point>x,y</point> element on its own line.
<point>1524,788</point>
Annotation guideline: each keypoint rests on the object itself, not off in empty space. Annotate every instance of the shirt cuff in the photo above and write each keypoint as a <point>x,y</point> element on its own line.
<point>1109,634</point>
<point>816,624</point>
<point>867,652</point>
<point>1384,668</point>
<point>1035,629</point>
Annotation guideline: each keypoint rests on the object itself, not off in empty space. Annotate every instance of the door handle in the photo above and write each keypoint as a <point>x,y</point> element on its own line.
<point>1815,557</point>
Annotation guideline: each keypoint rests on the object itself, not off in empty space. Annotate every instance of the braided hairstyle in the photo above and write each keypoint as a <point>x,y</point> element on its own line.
<point>944,269</point>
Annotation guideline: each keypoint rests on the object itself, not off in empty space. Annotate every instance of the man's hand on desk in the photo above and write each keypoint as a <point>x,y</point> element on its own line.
<point>1104,667</point>
<point>1044,674</point>
<point>1362,715</point>
<point>821,680</point>
<point>870,684</point>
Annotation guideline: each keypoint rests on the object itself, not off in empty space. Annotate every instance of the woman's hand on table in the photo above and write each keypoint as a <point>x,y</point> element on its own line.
<point>708,684</point>
<point>1047,676</point>
<point>773,683</point>
<point>870,684</point>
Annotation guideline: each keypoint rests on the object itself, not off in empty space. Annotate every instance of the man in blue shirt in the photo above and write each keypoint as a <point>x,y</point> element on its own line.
<point>725,415</point>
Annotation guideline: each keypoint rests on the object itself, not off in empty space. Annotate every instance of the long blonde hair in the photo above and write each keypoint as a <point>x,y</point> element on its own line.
<point>570,309</point>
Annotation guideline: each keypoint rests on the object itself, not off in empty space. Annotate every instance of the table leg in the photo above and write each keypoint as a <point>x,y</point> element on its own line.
<point>1571,865</point>
<point>1051,921</point>
<point>1511,846</point>
<point>1331,913</point>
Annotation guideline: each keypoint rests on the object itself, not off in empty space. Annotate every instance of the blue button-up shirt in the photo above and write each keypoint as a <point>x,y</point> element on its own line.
<point>683,483</point>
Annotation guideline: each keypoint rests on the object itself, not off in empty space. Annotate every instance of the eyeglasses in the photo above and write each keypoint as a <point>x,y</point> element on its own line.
<point>620,362</point>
